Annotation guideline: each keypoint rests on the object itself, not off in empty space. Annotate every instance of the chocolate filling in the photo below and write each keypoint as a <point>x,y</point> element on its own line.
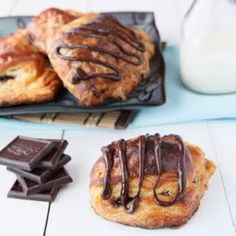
<point>155,155</point>
<point>111,36</point>
<point>5,78</point>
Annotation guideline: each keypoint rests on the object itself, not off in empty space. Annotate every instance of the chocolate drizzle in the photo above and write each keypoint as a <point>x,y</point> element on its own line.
<point>111,37</point>
<point>181,171</point>
<point>162,163</point>
<point>109,161</point>
<point>5,78</point>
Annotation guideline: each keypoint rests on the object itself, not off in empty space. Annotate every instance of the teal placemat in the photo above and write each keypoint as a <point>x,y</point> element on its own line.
<point>182,104</point>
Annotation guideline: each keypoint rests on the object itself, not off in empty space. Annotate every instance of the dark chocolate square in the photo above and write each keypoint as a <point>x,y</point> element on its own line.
<point>61,177</point>
<point>41,175</point>
<point>51,160</point>
<point>25,153</point>
<point>46,196</point>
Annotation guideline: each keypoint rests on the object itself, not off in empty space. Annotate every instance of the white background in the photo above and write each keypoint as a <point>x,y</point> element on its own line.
<point>169,13</point>
<point>70,214</point>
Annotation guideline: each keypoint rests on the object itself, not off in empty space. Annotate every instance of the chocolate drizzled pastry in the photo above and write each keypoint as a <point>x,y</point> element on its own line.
<point>162,160</point>
<point>110,34</point>
<point>98,58</point>
<point>150,181</point>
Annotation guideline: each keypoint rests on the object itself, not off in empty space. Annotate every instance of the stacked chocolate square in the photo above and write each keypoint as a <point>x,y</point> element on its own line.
<point>38,165</point>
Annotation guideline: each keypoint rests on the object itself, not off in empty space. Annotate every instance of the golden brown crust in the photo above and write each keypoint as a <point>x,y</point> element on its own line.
<point>148,214</point>
<point>24,73</point>
<point>96,91</point>
<point>47,24</point>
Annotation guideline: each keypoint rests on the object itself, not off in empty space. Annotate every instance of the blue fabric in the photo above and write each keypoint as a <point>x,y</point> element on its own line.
<point>182,104</point>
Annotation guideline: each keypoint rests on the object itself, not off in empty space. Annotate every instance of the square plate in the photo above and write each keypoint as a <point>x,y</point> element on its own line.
<point>150,92</point>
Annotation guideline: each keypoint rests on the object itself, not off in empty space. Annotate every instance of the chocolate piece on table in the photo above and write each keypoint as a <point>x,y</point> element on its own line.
<point>41,175</point>
<point>61,177</point>
<point>25,153</point>
<point>124,119</point>
<point>17,192</point>
<point>51,160</point>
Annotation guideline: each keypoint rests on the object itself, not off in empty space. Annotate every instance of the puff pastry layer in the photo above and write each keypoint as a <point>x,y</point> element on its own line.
<point>25,76</point>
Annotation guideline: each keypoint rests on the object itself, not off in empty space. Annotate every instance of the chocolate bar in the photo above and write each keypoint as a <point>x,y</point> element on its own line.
<point>41,175</point>
<point>51,160</point>
<point>60,178</point>
<point>25,153</point>
<point>124,119</point>
<point>17,192</point>
<point>39,166</point>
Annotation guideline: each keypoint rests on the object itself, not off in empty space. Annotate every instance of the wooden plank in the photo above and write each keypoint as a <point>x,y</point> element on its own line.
<point>109,119</point>
<point>20,217</point>
<point>223,137</point>
<point>72,204</point>
<point>114,120</point>
<point>69,119</point>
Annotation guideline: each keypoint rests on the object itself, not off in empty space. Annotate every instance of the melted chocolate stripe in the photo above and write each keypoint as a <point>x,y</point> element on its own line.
<point>103,33</point>
<point>101,50</point>
<point>107,39</point>
<point>181,172</point>
<point>141,157</point>
<point>130,33</point>
<point>80,74</point>
<point>124,193</point>
<point>102,27</point>
<point>108,156</point>
<point>131,203</point>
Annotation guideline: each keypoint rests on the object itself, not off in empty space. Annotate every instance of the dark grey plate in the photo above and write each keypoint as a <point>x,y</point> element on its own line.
<point>149,92</point>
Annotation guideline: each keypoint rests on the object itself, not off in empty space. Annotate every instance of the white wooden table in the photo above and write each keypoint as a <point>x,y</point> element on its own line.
<point>70,214</point>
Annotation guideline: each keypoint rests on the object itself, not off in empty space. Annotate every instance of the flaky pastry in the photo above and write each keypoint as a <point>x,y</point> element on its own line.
<point>47,24</point>
<point>149,181</point>
<point>25,76</point>
<point>96,57</point>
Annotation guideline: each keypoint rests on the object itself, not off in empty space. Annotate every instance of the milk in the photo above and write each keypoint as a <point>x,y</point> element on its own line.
<point>208,64</point>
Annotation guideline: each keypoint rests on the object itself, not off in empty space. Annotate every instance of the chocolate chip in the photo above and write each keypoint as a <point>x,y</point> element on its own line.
<point>5,78</point>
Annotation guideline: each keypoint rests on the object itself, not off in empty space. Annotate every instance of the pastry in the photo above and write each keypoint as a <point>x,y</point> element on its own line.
<point>95,56</point>
<point>149,181</point>
<point>47,24</point>
<point>25,76</point>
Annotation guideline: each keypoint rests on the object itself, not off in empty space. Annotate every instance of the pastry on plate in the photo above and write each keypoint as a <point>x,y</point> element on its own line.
<point>96,57</point>
<point>47,24</point>
<point>25,76</point>
<point>149,181</point>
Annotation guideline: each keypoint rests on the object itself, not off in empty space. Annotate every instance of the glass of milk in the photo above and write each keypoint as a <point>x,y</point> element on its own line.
<point>208,47</point>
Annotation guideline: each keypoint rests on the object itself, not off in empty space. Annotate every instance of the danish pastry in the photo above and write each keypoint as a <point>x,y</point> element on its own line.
<point>96,57</point>
<point>47,24</point>
<point>25,76</point>
<point>149,181</point>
